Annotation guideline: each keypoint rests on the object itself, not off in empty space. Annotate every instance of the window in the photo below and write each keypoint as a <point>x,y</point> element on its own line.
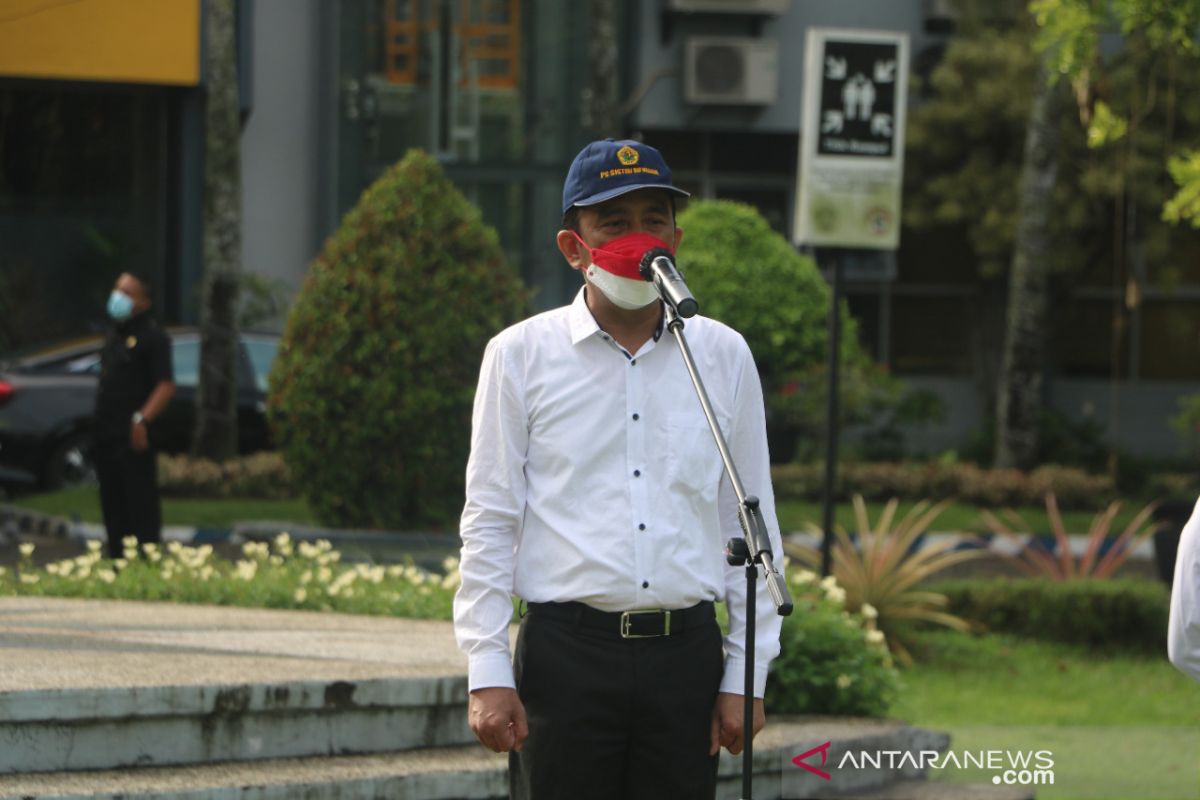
<point>262,356</point>
<point>186,357</point>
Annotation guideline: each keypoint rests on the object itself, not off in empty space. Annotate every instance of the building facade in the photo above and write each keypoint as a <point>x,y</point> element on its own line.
<point>101,162</point>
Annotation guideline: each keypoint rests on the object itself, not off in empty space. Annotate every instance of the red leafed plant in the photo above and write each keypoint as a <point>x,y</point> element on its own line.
<point>1037,561</point>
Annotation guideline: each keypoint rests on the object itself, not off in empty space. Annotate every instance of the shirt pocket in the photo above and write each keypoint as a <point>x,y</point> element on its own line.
<point>693,461</point>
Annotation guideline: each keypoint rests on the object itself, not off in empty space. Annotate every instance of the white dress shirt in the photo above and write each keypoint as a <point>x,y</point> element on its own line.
<point>593,477</point>
<point>1183,630</point>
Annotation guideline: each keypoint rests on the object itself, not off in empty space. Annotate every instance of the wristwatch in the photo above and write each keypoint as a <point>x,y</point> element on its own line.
<point>138,419</point>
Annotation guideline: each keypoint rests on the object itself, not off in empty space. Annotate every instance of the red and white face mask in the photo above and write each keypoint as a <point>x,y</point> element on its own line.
<point>615,267</point>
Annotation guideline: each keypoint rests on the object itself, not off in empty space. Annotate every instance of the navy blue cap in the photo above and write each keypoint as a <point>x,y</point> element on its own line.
<point>610,168</point>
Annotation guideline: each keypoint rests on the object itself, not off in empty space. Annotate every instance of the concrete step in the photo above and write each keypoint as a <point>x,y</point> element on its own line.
<point>436,773</point>
<point>107,684</point>
<point>80,729</point>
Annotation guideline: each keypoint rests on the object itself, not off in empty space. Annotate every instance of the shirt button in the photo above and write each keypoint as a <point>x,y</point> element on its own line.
<point>641,526</point>
<point>637,473</point>
<point>633,363</point>
<point>635,417</point>
<point>645,584</point>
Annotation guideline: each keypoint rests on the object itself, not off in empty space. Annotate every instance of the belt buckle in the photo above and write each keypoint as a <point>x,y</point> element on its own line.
<point>626,623</point>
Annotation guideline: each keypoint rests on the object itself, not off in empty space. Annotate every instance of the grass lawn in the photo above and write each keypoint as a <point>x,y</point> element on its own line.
<point>794,515</point>
<point>1118,726</point>
<point>85,502</point>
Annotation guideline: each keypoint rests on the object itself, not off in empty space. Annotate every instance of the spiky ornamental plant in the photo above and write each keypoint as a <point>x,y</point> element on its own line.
<point>1036,560</point>
<point>370,397</point>
<point>885,567</point>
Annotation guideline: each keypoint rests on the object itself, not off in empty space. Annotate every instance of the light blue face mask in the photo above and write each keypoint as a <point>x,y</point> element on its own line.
<point>120,306</point>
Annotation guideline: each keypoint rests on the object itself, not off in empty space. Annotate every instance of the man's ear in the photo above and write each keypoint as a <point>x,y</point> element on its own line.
<point>573,251</point>
<point>678,236</point>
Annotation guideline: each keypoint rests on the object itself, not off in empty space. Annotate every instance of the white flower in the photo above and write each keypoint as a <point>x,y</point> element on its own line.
<point>129,541</point>
<point>122,563</point>
<point>452,581</point>
<point>26,578</point>
<point>828,582</point>
<point>306,576</point>
<point>52,569</point>
<point>875,637</point>
<point>844,681</point>
<point>246,570</point>
<point>837,594</point>
<point>93,546</point>
<point>869,612</point>
<point>300,595</point>
<point>106,575</point>
<point>804,576</point>
<point>26,549</point>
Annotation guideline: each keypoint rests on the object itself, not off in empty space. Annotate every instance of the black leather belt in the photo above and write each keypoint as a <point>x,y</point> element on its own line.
<point>638,624</point>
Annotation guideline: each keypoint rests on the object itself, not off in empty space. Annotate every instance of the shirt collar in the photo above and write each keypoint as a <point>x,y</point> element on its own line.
<point>583,324</point>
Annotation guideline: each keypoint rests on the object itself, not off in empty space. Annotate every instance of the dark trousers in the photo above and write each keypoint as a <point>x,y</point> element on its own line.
<point>128,494</point>
<point>615,719</point>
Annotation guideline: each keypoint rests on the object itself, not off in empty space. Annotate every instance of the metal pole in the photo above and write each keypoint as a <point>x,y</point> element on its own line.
<point>831,417</point>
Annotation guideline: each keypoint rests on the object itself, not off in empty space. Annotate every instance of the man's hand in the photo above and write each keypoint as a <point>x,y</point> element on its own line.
<point>497,717</point>
<point>139,440</point>
<point>727,722</point>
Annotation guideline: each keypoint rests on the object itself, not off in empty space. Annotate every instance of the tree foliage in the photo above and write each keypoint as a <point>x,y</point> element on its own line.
<point>371,394</point>
<point>1166,33</point>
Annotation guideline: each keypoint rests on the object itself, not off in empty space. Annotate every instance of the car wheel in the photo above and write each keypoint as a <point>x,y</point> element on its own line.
<point>70,464</point>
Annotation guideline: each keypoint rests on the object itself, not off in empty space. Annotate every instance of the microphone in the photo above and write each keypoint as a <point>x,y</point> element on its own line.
<point>658,268</point>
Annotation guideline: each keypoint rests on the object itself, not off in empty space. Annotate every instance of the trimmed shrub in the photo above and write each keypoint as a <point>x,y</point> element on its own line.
<point>830,661</point>
<point>370,396</point>
<point>991,488</point>
<point>261,476</point>
<point>1115,613</point>
<point>749,277</point>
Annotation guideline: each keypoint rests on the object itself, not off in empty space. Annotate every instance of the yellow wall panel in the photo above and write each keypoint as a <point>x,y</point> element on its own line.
<point>124,41</point>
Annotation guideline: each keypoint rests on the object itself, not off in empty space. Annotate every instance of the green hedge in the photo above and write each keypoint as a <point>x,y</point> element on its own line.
<point>1121,613</point>
<point>371,394</point>
<point>261,476</point>
<point>991,488</point>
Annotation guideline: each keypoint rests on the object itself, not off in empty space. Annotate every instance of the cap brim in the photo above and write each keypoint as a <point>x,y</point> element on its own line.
<point>620,190</point>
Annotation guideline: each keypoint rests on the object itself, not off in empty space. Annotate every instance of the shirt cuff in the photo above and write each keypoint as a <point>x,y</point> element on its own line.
<point>490,669</point>
<point>734,679</point>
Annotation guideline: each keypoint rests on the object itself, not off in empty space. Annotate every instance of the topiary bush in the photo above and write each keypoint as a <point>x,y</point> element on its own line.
<point>749,277</point>
<point>1125,613</point>
<point>370,396</point>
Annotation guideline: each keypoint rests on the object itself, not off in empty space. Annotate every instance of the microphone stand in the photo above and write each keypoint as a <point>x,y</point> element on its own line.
<point>752,550</point>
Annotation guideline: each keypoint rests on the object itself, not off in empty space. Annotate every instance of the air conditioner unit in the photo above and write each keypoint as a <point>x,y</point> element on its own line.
<point>731,70</point>
<point>731,6</point>
<point>941,15</point>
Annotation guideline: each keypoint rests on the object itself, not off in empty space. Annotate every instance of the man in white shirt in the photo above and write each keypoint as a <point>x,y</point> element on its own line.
<point>1183,638</point>
<point>595,493</point>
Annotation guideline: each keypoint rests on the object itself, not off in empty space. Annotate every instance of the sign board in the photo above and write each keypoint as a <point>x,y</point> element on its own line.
<point>117,41</point>
<point>852,139</point>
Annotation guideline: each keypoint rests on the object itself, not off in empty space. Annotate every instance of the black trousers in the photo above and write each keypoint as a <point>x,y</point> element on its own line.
<point>613,719</point>
<point>128,494</point>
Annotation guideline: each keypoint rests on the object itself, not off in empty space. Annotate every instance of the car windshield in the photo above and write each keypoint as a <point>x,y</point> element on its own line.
<point>66,355</point>
<point>262,355</point>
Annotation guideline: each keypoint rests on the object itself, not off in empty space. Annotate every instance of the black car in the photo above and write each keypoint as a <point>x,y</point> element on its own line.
<point>47,399</point>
